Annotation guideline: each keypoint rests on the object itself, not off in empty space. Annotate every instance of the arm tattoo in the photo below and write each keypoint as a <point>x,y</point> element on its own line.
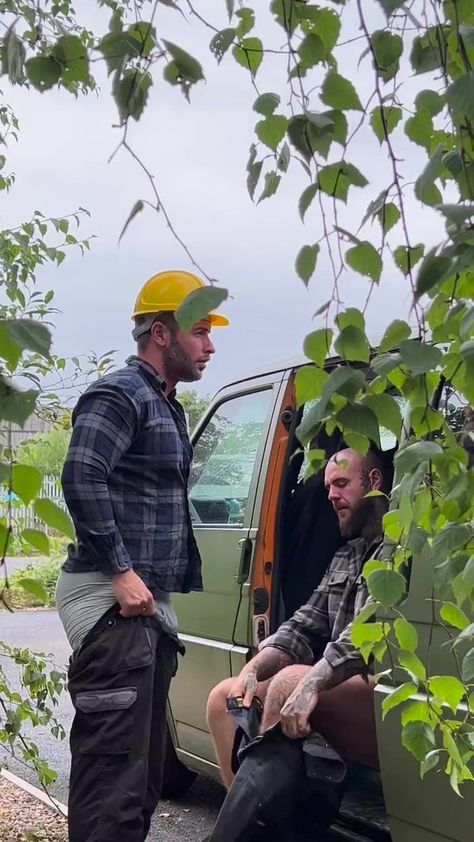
<point>270,661</point>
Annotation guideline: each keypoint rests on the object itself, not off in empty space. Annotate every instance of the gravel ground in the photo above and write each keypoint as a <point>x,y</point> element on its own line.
<point>24,819</point>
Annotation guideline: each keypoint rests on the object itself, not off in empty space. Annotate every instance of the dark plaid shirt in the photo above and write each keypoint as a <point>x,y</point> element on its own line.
<point>125,482</point>
<point>322,627</point>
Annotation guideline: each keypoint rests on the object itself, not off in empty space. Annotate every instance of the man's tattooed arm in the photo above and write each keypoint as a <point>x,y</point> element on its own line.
<point>264,665</point>
<point>296,712</point>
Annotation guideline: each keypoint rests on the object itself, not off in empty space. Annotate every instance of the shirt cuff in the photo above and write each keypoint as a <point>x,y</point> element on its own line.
<point>299,650</point>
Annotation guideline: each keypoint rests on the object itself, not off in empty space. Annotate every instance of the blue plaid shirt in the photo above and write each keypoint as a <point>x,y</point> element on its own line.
<point>125,481</point>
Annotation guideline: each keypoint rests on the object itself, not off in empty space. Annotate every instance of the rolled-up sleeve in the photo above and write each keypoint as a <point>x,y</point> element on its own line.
<point>305,634</point>
<point>104,425</point>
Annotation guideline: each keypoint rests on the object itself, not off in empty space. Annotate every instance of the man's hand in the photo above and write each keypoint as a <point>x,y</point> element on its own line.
<point>132,594</point>
<point>245,686</point>
<point>296,711</point>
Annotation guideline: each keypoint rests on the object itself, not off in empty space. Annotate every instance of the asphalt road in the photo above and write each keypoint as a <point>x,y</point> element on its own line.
<point>189,819</point>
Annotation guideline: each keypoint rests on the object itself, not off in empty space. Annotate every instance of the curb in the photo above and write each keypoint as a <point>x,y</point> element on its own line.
<point>39,794</point>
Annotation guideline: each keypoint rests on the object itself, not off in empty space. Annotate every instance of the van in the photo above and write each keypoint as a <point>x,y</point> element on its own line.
<point>266,538</point>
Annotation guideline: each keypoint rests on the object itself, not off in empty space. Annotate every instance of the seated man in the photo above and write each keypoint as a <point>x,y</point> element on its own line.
<point>309,674</point>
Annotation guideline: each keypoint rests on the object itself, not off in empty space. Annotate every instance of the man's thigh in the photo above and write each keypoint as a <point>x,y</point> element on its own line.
<point>345,715</point>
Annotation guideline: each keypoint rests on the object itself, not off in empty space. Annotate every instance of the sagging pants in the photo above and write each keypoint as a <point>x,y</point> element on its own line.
<point>119,681</point>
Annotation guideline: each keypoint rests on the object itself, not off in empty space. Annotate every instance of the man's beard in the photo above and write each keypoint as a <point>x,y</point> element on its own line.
<point>363,514</point>
<point>180,365</point>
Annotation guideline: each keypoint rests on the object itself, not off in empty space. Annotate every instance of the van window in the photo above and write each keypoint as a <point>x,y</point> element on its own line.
<point>224,459</point>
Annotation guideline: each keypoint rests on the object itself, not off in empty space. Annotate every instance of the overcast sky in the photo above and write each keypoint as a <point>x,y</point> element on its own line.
<point>198,153</point>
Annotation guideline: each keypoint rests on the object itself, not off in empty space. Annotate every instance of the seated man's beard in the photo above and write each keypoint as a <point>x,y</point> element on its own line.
<point>362,514</point>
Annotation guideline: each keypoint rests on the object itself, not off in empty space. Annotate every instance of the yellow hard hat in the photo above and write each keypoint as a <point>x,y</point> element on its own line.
<point>165,292</point>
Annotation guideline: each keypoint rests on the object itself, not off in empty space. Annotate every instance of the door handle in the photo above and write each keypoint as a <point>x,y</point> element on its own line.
<point>245,547</point>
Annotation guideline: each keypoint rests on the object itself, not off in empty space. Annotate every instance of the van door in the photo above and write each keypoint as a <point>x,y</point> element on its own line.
<point>229,448</point>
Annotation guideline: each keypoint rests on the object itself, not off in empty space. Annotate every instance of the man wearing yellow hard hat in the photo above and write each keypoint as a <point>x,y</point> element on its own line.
<point>125,483</point>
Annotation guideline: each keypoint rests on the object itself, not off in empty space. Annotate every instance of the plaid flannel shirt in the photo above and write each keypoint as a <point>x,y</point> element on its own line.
<point>125,482</point>
<point>322,627</point>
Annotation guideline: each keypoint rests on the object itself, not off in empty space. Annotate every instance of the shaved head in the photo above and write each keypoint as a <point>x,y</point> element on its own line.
<point>348,478</point>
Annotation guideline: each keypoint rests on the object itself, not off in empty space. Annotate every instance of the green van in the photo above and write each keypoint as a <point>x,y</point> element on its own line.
<point>266,538</point>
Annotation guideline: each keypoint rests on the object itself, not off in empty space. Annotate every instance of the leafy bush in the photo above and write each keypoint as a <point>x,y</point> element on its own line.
<point>34,586</point>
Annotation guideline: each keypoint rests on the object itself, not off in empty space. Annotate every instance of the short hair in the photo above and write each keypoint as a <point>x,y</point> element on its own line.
<point>383,462</point>
<point>165,317</point>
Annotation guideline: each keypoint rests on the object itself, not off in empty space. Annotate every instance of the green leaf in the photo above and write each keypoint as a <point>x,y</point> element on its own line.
<point>387,412</point>
<point>430,762</point>
<point>447,689</point>
<point>433,270</point>
<point>386,586</point>
<point>388,216</point>
<point>15,405</point>
<point>366,260</point>
<point>249,54</point>
<point>72,55</point>
<point>430,101</point>
<point>420,357</point>
<point>412,455</point>
<point>425,188</point>
<point>30,334</point>
<point>406,634</point>
<point>359,419</point>
<point>452,537</point>
<point>43,72</point>
<point>54,517</point>
<point>34,587</point>
<point>396,333</point>
<point>427,51</point>
<point>406,257</point>
<point>266,104</point>
<point>419,739</point>
<point>317,345</point>
<point>311,50</point>
<point>272,181</point>
<point>366,633</point>
<point>384,119</point>
<point>39,540</point>
<point>305,263</point>
<point>336,179</point>
<point>137,208</point>
<point>390,6</point>
<point>460,95</point>
<point>246,17</point>
<point>306,198</point>
<point>339,93</point>
<point>9,349</point>
<point>419,128</point>
<point>254,168</point>
<point>352,344</point>
<point>130,92</point>
<point>198,305</point>
<point>411,662</point>
<point>324,22</point>
<point>396,697</point>
<point>183,70</point>
<point>467,667</point>
<point>454,616</point>
<point>272,130</point>
<point>26,482</point>
<point>309,381</point>
<point>13,56</point>
<point>230,7</point>
<point>221,42</point>
<point>387,49</point>
<point>284,158</point>
<point>350,316</point>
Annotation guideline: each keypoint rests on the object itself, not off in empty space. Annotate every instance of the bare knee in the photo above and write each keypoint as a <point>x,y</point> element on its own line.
<point>217,701</point>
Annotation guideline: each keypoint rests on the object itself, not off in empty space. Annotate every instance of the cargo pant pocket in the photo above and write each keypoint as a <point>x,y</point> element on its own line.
<point>104,722</point>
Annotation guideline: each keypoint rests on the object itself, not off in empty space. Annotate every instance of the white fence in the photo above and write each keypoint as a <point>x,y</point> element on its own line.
<point>23,517</point>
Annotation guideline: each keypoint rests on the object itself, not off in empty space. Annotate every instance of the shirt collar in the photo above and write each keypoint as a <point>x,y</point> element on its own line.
<point>137,362</point>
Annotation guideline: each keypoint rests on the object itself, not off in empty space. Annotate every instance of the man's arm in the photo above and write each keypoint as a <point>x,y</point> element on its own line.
<point>264,665</point>
<point>105,424</point>
<point>341,660</point>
